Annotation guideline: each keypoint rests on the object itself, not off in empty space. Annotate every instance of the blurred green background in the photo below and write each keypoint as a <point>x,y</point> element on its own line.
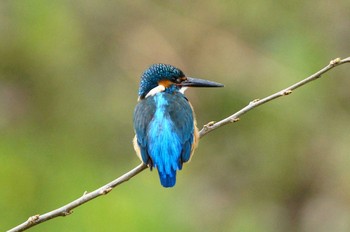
<point>69,76</point>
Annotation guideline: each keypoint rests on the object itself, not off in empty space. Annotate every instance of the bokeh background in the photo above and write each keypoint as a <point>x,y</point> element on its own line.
<point>69,74</point>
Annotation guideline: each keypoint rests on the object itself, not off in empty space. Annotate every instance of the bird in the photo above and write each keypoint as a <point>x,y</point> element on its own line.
<point>166,134</point>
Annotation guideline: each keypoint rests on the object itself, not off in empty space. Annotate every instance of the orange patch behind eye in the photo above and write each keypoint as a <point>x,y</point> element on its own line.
<point>165,83</point>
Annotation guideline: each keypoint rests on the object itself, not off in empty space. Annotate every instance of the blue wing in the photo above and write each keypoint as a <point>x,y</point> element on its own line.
<point>164,130</point>
<point>182,115</point>
<point>143,115</point>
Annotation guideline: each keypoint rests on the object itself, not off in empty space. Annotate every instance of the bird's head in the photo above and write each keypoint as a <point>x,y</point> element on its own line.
<point>165,77</point>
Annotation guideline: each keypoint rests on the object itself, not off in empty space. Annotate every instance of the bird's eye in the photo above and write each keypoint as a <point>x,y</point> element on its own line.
<point>179,80</point>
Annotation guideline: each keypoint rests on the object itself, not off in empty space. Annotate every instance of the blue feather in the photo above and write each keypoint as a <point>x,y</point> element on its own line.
<point>164,122</point>
<point>165,137</point>
<point>156,73</point>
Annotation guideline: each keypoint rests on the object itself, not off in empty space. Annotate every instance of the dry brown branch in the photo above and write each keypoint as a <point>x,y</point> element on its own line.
<point>67,209</point>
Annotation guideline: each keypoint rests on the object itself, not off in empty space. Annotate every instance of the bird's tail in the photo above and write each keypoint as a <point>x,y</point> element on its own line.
<point>167,179</point>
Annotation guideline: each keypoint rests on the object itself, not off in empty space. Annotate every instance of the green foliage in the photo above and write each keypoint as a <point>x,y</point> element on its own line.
<point>69,76</point>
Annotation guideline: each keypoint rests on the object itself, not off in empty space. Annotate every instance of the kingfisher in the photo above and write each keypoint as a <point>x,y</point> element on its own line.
<point>164,121</point>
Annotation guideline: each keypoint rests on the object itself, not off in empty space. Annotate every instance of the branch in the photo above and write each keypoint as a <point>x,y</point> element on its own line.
<point>284,92</point>
<point>67,209</point>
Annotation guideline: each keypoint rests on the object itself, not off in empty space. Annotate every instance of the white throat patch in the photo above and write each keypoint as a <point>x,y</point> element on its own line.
<point>183,89</point>
<point>155,90</point>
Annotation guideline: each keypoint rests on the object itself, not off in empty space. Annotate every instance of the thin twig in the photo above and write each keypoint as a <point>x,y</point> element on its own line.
<point>67,209</point>
<point>284,92</point>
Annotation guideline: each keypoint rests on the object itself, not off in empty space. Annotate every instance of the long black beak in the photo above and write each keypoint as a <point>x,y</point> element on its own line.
<point>195,82</point>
